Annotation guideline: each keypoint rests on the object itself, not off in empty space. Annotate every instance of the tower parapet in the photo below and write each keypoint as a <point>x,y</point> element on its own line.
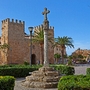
<point>41,27</point>
<point>12,21</point>
<point>51,27</point>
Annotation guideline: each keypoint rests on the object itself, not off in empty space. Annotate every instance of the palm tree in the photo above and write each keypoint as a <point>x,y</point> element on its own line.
<point>57,56</point>
<point>64,42</point>
<point>39,38</point>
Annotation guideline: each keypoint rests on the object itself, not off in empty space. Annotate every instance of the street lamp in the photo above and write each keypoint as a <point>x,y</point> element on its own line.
<point>30,29</point>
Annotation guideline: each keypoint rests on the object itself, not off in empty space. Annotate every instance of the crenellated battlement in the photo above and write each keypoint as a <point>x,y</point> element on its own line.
<point>13,33</point>
<point>12,21</point>
<point>41,26</point>
<point>51,27</point>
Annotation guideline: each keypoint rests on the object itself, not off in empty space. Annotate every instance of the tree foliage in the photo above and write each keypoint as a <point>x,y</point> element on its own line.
<point>64,42</point>
<point>39,39</point>
<point>57,55</point>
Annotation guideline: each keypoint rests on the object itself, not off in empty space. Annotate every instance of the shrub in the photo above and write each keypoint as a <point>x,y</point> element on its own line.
<point>69,62</point>
<point>7,83</point>
<point>26,63</point>
<point>63,69</point>
<point>23,70</point>
<point>88,71</point>
<point>74,82</point>
<point>18,70</point>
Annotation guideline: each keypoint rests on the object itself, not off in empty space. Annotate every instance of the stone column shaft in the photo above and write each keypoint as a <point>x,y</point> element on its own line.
<point>46,28</point>
<point>46,62</point>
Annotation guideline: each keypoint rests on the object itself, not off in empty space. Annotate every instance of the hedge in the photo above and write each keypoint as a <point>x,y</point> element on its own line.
<point>7,82</point>
<point>17,70</point>
<point>23,70</point>
<point>64,69</point>
<point>74,82</point>
<point>88,71</point>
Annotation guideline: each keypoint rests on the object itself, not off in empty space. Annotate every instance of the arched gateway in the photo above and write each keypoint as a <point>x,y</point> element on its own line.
<point>33,60</point>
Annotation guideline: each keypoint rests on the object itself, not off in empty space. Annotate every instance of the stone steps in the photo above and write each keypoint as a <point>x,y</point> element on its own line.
<point>45,77</point>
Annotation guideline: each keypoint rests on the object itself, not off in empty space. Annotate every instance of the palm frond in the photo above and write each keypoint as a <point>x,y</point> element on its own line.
<point>67,41</point>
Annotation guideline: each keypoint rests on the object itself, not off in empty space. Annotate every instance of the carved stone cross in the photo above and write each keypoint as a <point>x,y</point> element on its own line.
<point>45,13</point>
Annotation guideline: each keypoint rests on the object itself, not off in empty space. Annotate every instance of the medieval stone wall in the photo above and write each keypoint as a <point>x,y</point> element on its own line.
<point>13,35</point>
<point>50,48</point>
<point>19,51</point>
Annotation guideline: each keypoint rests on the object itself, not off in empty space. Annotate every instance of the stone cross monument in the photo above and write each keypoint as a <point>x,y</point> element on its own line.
<point>44,77</point>
<point>45,13</point>
<point>46,27</point>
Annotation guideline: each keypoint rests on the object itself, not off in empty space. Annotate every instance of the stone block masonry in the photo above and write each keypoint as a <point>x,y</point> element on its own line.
<point>13,33</point>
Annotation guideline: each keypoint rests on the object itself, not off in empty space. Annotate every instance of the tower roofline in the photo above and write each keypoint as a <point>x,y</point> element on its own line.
<point>13,21</point>
<point>41,26</point>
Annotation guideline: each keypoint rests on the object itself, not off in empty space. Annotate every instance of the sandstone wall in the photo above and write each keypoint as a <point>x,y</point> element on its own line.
<point>13,34</point>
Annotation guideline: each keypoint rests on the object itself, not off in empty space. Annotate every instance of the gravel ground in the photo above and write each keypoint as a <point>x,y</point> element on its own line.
<point>79,69</point>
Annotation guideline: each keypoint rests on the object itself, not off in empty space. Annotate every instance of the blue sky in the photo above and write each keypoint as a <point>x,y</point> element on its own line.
<point>69,17</point>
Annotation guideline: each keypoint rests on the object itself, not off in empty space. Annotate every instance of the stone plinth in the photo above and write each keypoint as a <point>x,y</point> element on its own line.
<point>45,77</point>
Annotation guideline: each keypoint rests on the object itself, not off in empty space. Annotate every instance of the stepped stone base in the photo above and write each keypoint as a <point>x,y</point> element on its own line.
<point>45,77</point>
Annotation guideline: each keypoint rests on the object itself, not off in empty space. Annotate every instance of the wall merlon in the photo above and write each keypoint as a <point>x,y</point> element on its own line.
<point>13,21</point>
<point>8,20</point>
<point>41,26</point>
<point>23,22</point>
<point>2,21</point>
<point>19,21</point>
<point>38,27</point>
<point>16,21</point>
<point>51,27</point>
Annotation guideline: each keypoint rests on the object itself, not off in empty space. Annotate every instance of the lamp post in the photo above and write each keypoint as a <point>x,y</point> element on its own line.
<point>30,29</point>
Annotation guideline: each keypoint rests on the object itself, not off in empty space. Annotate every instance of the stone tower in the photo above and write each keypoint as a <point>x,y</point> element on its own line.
<point>19,51</point>
<point>13,35</point>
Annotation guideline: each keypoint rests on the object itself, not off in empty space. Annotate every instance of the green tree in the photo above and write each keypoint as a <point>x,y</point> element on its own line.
<point>64,42</point>
<point>80,56</point>
<point>57,56</point>
<point>4,46</point>
<point>70,57</point>
<point>39,38</point>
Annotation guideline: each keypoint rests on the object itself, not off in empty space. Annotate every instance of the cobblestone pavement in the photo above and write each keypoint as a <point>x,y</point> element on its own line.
<point>79,69</point>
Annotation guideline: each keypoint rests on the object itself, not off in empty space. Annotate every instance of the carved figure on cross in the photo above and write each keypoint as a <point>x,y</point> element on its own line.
<point>45,13</point>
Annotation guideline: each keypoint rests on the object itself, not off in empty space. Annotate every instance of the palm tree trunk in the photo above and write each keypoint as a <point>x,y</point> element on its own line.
<point>62,51</point>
